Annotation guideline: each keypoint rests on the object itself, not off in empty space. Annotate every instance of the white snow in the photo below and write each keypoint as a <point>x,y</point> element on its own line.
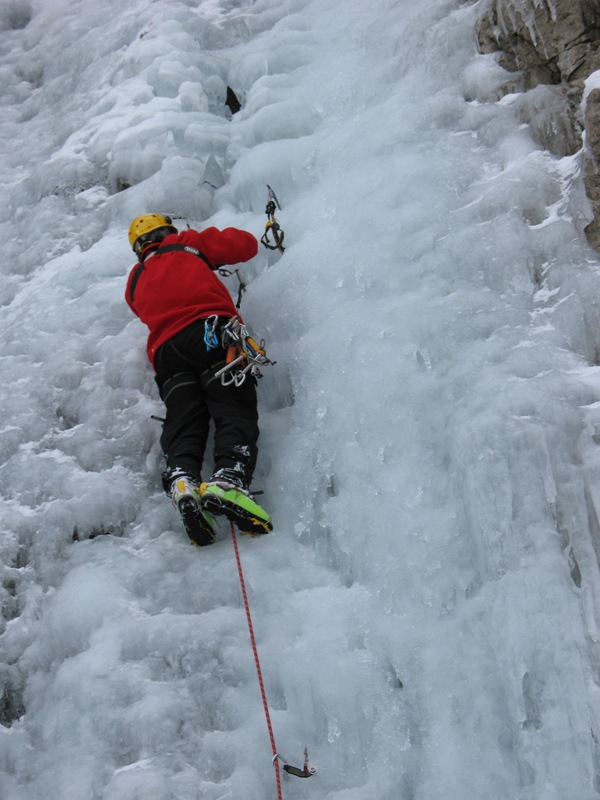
<point>591,83</point>
<point>427,608</point>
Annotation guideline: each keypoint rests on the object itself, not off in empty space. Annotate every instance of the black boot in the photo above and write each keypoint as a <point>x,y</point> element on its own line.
<point>185,496</point>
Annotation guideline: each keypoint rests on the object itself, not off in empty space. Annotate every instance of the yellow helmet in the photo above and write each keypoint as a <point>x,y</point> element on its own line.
<point>149,228</point>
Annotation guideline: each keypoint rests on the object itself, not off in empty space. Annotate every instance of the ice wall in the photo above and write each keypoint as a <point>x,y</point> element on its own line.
<point>426,609</point>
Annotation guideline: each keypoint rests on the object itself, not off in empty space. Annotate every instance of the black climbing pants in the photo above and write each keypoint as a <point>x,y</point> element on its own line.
<point>193,397</point>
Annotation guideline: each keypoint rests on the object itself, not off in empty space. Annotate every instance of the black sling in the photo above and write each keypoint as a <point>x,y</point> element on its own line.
<point>168,248</point>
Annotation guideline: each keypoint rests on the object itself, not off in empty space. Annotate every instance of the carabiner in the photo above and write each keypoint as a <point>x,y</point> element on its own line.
<point>211,340</point>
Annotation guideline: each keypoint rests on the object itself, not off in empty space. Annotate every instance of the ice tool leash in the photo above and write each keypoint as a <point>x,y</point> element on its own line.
<point>308,769</point>
<point>272,225</point>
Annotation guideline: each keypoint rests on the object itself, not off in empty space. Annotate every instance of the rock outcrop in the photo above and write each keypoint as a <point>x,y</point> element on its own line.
<point>552,47</point>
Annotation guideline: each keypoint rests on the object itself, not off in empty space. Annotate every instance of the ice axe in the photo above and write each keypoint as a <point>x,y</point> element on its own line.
<point>272,225</point>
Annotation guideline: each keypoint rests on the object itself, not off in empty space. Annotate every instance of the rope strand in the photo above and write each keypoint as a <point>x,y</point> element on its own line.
<point>257,662</point>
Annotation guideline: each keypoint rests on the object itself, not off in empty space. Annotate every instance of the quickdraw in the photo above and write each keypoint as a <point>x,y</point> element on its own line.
<point>272,225</point>
<point>307,771</point>
<point>244,357</point>
<point>226,273</point>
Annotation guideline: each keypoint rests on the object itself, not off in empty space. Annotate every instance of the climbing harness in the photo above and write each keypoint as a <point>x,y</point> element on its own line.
<point>272,225</point>
<point>244,355</point>
<point>308,769</point>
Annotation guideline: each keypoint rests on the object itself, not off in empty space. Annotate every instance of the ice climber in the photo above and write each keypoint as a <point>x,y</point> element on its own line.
<point>176,293</point>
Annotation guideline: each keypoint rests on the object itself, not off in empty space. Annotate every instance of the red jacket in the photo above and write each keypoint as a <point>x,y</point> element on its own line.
<point>169,291</point>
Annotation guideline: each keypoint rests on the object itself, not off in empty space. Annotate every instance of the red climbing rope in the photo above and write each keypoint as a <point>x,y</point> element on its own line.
<point>257,662</point>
